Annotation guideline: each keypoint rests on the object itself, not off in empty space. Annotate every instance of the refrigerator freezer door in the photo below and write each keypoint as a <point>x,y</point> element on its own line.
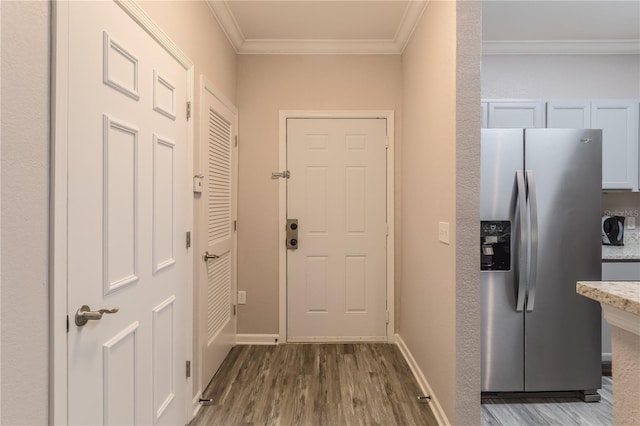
<point>502,329</point>
<point>562,332</point>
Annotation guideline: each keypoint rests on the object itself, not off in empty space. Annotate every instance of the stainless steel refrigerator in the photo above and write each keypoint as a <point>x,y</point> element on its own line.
<point>540,214</point>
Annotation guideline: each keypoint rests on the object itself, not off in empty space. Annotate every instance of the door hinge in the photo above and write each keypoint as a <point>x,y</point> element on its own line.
<point>387,230</point>
<point>67,323</point>
<point>188,239</point>
<point>386,318</point>
<point>236,140</point>
<point>284,175</point>
<point>235,225</point>
<point>188,369</point>
<point>235,310</point>
<point>188,110</point>
<point>386,144</point>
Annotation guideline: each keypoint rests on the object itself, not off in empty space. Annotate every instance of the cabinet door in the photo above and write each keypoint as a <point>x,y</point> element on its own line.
<point>569,114</point>
<point>525,114</point>
<point>618,120</point>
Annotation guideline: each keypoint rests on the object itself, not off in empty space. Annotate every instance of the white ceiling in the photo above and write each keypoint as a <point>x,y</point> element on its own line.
<point>385,26</point>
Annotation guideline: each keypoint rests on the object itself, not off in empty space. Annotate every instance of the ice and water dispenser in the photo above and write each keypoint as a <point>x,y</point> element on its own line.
<point>495,245</point>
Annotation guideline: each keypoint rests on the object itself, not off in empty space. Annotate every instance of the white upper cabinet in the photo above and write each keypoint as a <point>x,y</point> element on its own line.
<point>569,114</point>
<point>618,120</point>
<point>505,114</point>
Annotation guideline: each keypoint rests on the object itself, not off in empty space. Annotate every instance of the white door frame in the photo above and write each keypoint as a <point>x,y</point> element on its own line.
<point>282,215</point>
<point>59,311</point>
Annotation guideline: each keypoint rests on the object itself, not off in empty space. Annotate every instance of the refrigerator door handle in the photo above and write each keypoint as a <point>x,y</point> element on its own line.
<point>533,266</point>
<point>522,264</point>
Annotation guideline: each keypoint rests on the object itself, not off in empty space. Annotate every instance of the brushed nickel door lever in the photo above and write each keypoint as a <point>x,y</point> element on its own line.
<point>85,314</point>
<point>208,256</point>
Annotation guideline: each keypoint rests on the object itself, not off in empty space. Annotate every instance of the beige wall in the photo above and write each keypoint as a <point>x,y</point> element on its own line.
<point>440,170</point>
<point>25,168</point>
<point>192,26</point>
<point>266,85</point>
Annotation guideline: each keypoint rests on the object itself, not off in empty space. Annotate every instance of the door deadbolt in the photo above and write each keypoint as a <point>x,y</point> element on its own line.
<point>292,234</point>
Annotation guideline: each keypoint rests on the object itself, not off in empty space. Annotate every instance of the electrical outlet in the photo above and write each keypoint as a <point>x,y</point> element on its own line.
<point>631,222</point>
<point>242,298</point>
<point>443,232</point>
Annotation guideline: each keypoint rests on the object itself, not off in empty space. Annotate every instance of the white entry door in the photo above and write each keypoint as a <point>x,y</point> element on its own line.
<point>336,275</point>
<point>129,207</point>
<point>217,296</point>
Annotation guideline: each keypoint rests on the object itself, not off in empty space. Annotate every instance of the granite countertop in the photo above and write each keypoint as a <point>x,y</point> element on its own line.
<point>624,295</point>
<point>630,251</point>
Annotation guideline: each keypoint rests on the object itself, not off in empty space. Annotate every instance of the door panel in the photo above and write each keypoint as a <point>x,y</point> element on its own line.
<point>217,296</point>
<point>502,327</point>
<point>618,120</point>
<point>567,177</point>
<point>569,114</point>
<point>129,207</point>
<point>336,278</point>
<point>509,115</point>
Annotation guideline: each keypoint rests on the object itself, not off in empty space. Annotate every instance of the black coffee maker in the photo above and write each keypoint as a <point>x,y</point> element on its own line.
<point>613,230</point>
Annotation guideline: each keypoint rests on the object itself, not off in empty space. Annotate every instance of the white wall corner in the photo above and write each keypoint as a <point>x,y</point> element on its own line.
<point>222,12</point>
<point>435,406</point>
<point>257,339</point>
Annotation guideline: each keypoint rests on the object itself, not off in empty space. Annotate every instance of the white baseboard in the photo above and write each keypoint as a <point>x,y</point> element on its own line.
<point>339,339</point>
<point>422,382</point>
<point>257,339</point>
<point>606,357</point>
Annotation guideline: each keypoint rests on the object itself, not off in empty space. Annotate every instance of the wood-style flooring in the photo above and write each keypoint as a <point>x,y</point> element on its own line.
<point>551,411</point>
<point>314,384</point>
<point>357,384</point>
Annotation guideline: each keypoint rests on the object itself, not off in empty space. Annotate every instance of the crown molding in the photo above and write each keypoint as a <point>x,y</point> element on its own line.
<point>409,22</point>
<point>319,47</point>
<point>561,47</point>
<point>223,14</point>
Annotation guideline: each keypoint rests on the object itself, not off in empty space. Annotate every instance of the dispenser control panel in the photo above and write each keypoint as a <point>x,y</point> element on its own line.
<point>495,245</point>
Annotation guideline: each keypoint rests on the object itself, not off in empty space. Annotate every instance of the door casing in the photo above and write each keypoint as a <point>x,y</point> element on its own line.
<point>58,309</point>
<point>282,209</point>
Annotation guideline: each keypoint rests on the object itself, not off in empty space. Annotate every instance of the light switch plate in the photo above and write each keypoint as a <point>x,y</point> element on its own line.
<point>631,222</point>
<point>443,232</point>
<point>242,298</point>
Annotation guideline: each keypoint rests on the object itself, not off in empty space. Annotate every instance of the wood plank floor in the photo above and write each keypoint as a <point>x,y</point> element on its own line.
<point>565,411</point>
<point>314,384</point>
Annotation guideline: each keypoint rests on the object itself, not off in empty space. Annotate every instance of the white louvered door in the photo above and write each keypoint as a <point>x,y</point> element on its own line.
<point>218,123</point>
